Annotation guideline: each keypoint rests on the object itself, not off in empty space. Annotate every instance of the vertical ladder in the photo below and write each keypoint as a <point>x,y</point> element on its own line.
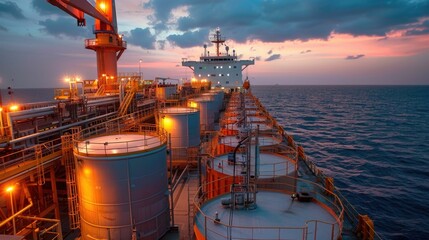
<point>68,159</point>
<point>193,185</point>
<point>192,192</point>
<point>40,167</point>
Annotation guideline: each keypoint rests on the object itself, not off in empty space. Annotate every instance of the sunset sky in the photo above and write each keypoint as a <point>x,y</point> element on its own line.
<point>298,42</point>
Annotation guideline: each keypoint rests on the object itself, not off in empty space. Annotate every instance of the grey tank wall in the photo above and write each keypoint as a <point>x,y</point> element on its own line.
<point>106,185</point>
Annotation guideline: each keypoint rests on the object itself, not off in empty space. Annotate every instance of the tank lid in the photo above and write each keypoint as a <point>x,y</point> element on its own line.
<point>178,110</point>
<point>118,144</point>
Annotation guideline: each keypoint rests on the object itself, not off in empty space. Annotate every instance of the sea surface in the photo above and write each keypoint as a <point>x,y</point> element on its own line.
<point>374,141</point>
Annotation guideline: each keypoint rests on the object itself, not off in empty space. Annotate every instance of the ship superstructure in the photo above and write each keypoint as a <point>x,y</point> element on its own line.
<point>222,69</point>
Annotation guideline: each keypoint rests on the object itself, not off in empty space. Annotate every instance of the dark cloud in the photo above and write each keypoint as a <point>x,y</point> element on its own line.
<point>189,39</point>
<point>258,58</point>
<point>273,57</point>
<point>277,21</point>
<point>4,29</point>
<point>420,29</point>
<point>11,9</point>
<point>354,57</point>
<point>45,8</point>
<point>142,37</point>
<point>161,44</point>
<point>162,8</point>
<point>306,51</point>
<point>269,52</point>
<point>64,26</point>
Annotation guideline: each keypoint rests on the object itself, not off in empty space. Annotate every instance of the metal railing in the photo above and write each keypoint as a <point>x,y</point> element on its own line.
<point>29,154</point>
<point>266,170</point>
<point>220,230</point>
<point>151,135</point>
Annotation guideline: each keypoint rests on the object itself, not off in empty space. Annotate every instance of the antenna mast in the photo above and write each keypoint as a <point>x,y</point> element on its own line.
<point>217,39</point>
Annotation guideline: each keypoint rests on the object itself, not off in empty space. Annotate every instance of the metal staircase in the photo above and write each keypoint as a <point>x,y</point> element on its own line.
<point>125,104</point>
<point>100,90</point>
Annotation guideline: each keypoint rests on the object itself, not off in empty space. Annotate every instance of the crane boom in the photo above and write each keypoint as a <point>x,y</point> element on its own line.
<point>108,44</point>
<point>77,8</point>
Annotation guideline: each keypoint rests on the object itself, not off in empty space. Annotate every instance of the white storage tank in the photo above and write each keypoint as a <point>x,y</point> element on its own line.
<point>183,123</point>
<point>122,185</point>
<point>207,108</point>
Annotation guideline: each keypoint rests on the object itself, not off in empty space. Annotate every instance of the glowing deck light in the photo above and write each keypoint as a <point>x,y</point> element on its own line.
<point>193,79</point>
<point>1,109</point>
<point>193,104</point>
<point>14,108</point>
<point>87,171</point>
<point>103,6</point>
<point>9,189</point>
<point>167,122</point>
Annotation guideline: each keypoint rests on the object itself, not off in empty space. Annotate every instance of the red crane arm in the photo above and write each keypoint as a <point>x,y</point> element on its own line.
<point>77,8</point>
<point>76,13</point>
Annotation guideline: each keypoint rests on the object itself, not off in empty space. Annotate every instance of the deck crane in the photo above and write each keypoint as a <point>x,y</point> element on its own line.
<point>107,44</point>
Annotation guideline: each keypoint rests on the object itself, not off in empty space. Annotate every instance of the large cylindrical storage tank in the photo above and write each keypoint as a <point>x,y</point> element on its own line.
<point>217,102</point>
<point>122,185</point>
<point>219,97</point>
<point>183,124</point>
<point>207,108</point>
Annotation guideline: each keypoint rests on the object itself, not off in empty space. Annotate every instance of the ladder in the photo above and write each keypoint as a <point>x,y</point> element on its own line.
<point>100,91</point>
<point>193,186</point>
<point>40,167</point>
<point>125,104</point>
<point>68,159</point>
<point>192,192</point>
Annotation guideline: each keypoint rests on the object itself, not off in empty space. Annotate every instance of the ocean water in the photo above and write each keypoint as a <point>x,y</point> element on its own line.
<point>374,141</point>
<point>26,95</point>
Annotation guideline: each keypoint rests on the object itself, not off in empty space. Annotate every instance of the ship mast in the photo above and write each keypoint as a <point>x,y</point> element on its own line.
<point>217,39</point>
